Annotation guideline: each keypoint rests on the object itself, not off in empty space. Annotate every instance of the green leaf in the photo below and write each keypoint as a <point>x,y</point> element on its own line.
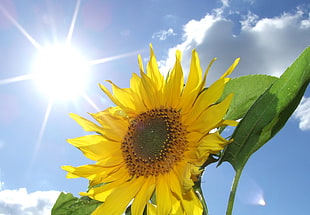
<point>269,113</point>
<point>246,90</point>
<point>67,204</point>
<point>266,117</point>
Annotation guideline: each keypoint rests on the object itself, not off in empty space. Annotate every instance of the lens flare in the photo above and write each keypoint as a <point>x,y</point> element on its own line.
<point>250,192</point>
<point>262,202</point>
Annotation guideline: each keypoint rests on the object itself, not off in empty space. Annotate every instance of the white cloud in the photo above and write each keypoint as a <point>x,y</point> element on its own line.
<point>164,34</point>
<point>249,21</point>
<point>225,3</point>
<point>20,202</point>
<point>266,46</point>
<point>302,113</point>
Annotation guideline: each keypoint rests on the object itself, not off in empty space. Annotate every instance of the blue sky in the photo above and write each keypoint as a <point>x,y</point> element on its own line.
<point>267,35</point>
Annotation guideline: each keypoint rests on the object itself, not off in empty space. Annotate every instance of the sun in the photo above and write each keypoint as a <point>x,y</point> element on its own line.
<point>60,71</point>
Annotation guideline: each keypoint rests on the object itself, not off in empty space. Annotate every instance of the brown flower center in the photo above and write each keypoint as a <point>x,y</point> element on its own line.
<point>154,143</point>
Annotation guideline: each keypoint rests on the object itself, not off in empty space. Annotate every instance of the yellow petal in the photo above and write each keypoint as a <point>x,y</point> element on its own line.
<point>140,62</point>
<point>103,170</point>
<point>143,196</point>
<point>86,171</point>
<point>135,83</point>
<point>138,93</point>
<point>151,82</point>
<point>203,83</point>
<point>111,176</point>
<point>96,147</point>
<point>191,155</point>
<point>175,82</point>
<point>102,192</point>
<point>86,124</point>
<point>151,93</point>
<point>70,169</point>
<point>207,98</point>
<point>116,100</point>
<point>113,159</point>
<point>188,101</point>
<point>118,200</point>
<point>231,68</point>
<point>163,193</point>
<point>109,120</point>
<point>196,171</point>
<point>114,127</point>
<point>174,183</point>
<point>212,117</point>
<point>194,76</point>
<point>192,87</point>
<point>176,207</point>
<point>138,87</point>
<point>211,143</point>
<point>230,122</point>
<point>109,94</point>
<point>153,71</point>
<point>152,209</point>
<point>191,203</point>
<point>123,95</point>
<point>193,138</point>
<point>184,173</point>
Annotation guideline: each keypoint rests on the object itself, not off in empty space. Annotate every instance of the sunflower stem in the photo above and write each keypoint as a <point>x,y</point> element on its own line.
<point>201,198</point>
<point>233,190</point>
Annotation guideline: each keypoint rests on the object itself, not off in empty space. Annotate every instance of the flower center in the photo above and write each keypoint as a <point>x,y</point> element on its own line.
<point>154,143</point>
<point>150,137</point>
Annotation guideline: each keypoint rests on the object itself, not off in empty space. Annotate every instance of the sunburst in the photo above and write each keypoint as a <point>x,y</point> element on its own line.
<point>59,69</point>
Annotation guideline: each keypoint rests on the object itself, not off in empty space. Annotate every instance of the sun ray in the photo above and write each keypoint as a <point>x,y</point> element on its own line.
<point>76,10</point>
<point>91,102</point>
<point>15,79</point>
<point>40,136</point>
<point>20,28</point>
<point>116,57</point>
<point>43,126</point>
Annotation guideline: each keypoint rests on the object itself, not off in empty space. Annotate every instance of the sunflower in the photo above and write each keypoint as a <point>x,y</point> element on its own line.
<point>150,147</point>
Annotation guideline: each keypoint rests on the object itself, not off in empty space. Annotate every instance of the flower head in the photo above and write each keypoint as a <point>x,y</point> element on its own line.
<point>152,144</point>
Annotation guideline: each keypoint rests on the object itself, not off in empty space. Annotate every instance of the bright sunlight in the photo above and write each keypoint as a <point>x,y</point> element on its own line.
<point>60,71</point>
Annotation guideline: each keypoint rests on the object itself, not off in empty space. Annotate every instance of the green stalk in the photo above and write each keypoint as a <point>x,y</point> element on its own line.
<point>201,198</point>
<point>233,190</point>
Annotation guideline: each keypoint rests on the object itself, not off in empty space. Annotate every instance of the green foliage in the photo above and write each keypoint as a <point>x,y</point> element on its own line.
<point>246,90</point>
<point>269,113</point>
<point>67,204</point>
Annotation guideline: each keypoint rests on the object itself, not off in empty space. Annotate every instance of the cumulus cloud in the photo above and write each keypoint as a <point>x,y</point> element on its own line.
<point>20,202</point>
<point>164,34</point>
<point>302,113</point>
<point>266,46</point>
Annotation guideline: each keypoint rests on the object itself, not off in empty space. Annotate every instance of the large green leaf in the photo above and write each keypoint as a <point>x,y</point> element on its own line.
<point>269,113</point>
<point>67,204</point>
<point>246,90</point>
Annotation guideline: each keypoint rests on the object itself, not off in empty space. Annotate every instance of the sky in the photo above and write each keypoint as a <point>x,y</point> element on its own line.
<point>35,123</point>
